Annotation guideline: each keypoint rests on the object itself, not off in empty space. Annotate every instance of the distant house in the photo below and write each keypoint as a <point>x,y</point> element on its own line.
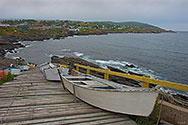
<point>22,27</point>
<point>14,26</point>
<point>4,26</point>
<point>75,30</point>
<point>40,27</point>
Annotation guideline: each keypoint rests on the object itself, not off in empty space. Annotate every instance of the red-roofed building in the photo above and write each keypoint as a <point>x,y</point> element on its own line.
<point>4,26</point>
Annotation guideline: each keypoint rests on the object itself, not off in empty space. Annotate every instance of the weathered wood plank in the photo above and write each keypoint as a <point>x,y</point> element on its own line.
<point>178,115</point>
<point>27,94</point>
<point>86,120</point>
<point>47,114</point>
<point>37,108</point>
<point>42,103</point>
<point>48,120</point>
<point>36,102</point>
<point>117,121</point>
<point>10,91</point>
<point>111,121</point>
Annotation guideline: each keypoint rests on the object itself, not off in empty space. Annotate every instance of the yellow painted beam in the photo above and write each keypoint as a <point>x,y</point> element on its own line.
<point>62,65</point>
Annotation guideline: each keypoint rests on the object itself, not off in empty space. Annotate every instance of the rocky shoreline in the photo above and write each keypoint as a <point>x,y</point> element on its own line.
<point>75,60</point>
<point>10,42</point>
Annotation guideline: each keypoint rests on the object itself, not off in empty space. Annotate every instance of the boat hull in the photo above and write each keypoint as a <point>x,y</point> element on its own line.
<point>139,103</point>
<point>52,74</point>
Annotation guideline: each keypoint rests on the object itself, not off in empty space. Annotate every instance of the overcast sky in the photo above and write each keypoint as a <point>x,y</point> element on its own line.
<point>168,14</point>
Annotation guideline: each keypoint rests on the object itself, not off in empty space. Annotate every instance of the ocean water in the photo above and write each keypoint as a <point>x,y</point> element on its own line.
<point>162,56</point>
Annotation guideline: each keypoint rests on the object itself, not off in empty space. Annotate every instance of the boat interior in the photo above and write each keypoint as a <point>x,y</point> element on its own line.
<point>90,81</point>
<point>87,81</point>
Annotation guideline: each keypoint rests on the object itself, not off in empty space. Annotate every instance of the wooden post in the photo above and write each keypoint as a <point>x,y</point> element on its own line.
<point>106,75</point>
<point>88,71</point>
<point>77,68</point>
<point>61,78</point>
<point>74,93</point>
<point>145,84</point>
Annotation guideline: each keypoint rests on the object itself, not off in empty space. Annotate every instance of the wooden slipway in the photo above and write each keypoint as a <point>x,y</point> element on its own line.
<point>30,99</point>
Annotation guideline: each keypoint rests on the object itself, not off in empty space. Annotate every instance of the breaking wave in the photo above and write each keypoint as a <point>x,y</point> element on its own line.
<point>122,65</point>
<point>78,54</point>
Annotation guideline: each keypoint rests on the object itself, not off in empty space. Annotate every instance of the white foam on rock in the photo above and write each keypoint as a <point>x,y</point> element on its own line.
<point>78,54</point>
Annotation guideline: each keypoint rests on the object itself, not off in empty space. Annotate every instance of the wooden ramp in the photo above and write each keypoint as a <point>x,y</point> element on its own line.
<point>30,99</point>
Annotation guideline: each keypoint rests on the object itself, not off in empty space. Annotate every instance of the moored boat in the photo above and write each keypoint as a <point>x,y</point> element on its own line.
<point>13,70</point>
<point>24,67</point>
<point>111,96</point>
<point>51,73</point>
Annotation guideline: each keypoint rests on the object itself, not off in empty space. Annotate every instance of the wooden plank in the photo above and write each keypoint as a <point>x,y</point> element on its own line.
<point>41,103</point>
<point>122,120</point>
<point>33,94</point>
<point>117,121</point>
<point>178,115</point>
<point>38,102</point>
<point>36,97</point>
<point>42,91</point>
<point>48,120</point>
<point>42,111</point>
<point>58,88</point>
<point>30,116</point>
<point>29,85</point>
<point>87,120</point>
<point>36,108</point>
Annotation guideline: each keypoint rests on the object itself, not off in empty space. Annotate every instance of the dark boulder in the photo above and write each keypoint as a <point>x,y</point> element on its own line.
<point>130,65</point>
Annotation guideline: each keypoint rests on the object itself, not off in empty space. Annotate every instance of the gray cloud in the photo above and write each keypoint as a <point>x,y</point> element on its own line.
<point>151,11</point>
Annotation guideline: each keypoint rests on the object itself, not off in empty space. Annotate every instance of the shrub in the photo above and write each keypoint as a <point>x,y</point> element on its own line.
<point>6,78</point>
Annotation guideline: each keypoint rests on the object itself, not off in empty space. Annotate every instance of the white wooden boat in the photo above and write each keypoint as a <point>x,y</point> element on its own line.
<point>51,74</point>
<point>13,71</point>
<point>43,66</point>
<point>111,96</point>
<point>24,67</point>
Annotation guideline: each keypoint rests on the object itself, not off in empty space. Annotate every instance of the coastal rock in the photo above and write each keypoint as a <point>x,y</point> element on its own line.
<point>5,62</point>
<point>9,47</point>
<point>115,69</point>
<point>55,58</point>
<point>72,60</point>
<point>122,80</point>
<point>130,65</point>
<point>2,52</point>
<point>91,33</point>
<point>133,73</point>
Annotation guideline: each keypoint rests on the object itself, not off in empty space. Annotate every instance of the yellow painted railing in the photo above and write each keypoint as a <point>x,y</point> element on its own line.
<point>144,79</point>
<point>62,65</point>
